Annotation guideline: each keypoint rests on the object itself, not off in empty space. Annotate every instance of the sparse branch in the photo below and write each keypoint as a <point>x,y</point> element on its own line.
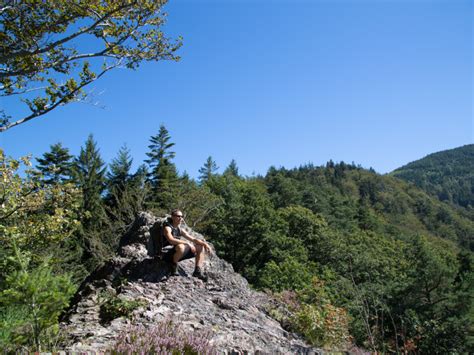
<point>205,213</point>
<point>21,92</point>
<point>67,97</point>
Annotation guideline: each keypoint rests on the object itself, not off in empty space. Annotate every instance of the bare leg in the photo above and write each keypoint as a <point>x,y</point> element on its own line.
<point>179,252</point>
<point>199,255</point>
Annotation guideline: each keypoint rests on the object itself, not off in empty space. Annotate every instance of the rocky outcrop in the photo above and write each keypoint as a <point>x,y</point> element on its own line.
<point>224,304</point>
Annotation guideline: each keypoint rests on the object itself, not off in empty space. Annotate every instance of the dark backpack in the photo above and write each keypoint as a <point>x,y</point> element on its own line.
<point>158,239</point>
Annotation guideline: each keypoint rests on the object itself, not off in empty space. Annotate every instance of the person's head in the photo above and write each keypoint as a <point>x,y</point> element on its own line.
<point>177,216</point>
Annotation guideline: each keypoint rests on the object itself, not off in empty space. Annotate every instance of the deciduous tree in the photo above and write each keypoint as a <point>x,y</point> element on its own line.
<point>51,50</point>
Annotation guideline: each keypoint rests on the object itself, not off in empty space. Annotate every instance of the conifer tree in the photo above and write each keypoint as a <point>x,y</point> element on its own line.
<point>55,165</point>
<point>208,170</point>
<point>232,169</point>
<point>89,172</point>
<point>126,194</point>
<point>162,175</point>
<point>119,175</point>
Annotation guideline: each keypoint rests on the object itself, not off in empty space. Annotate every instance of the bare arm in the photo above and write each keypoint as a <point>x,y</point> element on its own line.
<point>172,240</point>
<point>195,240</point>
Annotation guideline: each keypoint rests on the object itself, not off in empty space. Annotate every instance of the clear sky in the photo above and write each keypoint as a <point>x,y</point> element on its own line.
<point>284,83</point>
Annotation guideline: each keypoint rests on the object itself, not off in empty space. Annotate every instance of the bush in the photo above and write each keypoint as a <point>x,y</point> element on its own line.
<point>113,307</point>
<point>323,325</point>
<point>310,313</point>
<point>164,338</point>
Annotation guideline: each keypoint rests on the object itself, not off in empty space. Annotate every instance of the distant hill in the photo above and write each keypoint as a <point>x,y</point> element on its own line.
<point>352,198</point>
<point>448,174</point>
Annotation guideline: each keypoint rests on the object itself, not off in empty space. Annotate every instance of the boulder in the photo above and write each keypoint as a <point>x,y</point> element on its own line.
<point>236,315</point>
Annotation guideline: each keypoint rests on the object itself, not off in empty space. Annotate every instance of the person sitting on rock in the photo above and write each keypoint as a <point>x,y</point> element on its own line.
<point>178,249</point>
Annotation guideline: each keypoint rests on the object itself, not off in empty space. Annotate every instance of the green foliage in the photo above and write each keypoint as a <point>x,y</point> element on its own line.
<point>323,325</point>
<point>364,254</point>
<point>311,313</point>
<point>197,201</point>
<point>290,274</point>
<point>449,175</point>
<point>31,301</point>
<point>208,170</point>
<point>119,170</point>
<point>232,169</point>
<point>35,219</point>
<point>113,306</point>
<point>162,176</point>
<point>41,43</point>
<point>126,194</point>
<point>89,172</point>
<point>242,228</point>
<point>55,166</point>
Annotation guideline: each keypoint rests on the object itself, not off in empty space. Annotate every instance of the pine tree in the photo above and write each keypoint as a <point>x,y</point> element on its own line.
<point>162,176</point>
<point>208,170</point>
<point>55,165</point>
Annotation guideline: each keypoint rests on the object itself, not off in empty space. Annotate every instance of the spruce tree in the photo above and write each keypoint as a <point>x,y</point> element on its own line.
<point>119,175</point>
<point>162,175</point>
<point>55,165</point>
<point>89,173</point>
<point>126,193</point>
<point>232,169</point>
<point>208,170</point>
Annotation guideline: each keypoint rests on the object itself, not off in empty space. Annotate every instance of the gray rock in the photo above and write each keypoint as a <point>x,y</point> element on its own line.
<point>225,303</point>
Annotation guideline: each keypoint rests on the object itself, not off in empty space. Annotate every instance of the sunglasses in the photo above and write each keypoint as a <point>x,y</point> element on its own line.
<point>178,215</point>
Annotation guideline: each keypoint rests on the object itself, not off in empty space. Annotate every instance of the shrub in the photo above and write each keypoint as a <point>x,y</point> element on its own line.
<point>113,307</point>
<point>311,313</point>
<point>323,325</point>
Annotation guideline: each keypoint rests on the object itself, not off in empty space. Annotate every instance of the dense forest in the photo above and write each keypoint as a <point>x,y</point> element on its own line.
<point>356,256</point>
<point>449,175</point>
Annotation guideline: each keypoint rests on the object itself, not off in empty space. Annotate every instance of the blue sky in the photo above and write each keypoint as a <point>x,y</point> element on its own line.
<point>284,83</point>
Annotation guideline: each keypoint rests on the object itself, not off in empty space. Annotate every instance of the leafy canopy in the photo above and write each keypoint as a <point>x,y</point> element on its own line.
<point>51,50</point>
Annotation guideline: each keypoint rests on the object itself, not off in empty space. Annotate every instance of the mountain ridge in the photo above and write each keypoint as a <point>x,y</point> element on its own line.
<point>447,174</point>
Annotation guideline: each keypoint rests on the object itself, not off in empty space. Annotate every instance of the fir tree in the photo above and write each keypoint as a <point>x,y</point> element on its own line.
<point>208,170</point>
<point>162,176</point>
<point>119,175</point>
<point>232,169</point>
<point>55,165</point>
<point>89,171</point>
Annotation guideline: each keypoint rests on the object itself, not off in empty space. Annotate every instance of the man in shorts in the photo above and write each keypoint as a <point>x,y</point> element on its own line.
<point>176,248</point>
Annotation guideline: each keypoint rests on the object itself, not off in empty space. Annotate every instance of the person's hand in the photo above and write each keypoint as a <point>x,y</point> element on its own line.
<point>205,245</point>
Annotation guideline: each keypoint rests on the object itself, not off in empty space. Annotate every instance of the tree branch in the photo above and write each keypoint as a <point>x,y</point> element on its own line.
<point>67,38</point>
<point>56,104</point>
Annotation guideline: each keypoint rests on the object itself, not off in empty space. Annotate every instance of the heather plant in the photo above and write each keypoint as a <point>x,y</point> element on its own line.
<point>166,337</point>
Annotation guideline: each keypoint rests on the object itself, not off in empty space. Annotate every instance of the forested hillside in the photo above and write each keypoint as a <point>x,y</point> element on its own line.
<point>449,175</point>
<point>356,256</point>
